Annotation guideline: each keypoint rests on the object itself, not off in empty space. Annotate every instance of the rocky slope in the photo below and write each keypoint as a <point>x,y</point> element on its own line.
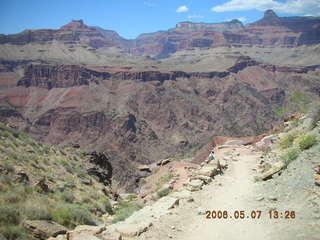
<point>40,183</point>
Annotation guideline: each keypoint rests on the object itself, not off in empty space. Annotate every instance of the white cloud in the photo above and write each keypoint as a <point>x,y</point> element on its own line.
<point>195,16</point>
<point>304,7</point>
<point>182,9</point>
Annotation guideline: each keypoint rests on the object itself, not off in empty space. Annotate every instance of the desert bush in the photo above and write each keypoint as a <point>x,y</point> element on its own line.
<point>8,165</point>
<point>4,133</point>
<point>163,192</point>
<point>125,210</point>
<point>70,215</point>
<point>12,155</point>
<point>287,140</point>
<point>306,141</point>
<point>9,214</point>
<point>106,205</point>
<point>16,194</point>
<point>67,196</point>
<point>131,197</point>
<point>37,208</point>
<point>13,232</point>
<point>290,156</point>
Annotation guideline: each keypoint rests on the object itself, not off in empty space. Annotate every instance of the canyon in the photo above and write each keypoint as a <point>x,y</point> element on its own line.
<point>163,94</point>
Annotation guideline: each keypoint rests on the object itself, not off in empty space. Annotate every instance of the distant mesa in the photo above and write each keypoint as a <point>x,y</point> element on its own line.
<point>270,18</point>
<point>74,24</point>
<point>270,14</point>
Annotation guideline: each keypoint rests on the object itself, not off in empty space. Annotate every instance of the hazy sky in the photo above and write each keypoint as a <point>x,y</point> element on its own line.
<point>133,17</point>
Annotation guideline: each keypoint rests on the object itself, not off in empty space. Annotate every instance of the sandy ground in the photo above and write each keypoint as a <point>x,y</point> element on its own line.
<point>235,190</point>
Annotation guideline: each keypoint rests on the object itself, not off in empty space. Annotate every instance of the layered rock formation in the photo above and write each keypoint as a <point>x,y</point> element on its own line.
<point>271,30</point>
<point>75,31</point>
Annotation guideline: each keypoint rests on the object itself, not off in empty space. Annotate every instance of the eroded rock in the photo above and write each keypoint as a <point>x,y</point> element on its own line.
<point>43,229</point>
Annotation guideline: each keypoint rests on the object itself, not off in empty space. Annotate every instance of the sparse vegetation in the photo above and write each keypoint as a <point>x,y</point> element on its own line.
<point>125,210</point>
<point>71,215</point>
<point>290,155</point>
<point>163,192</point>
<point>287,140</point>
<point>164,179</point>
<point>306,141</point>
<point>68,201</point>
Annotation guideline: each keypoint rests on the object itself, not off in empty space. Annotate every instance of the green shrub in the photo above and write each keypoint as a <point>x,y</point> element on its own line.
<point>125,210</point>
<point>307,141</point>
<point>106,205</point>
<point>8,165</point>
<point>13,232</point>
<point>12,196</point>
<point>290,156</point>
<point>67,196</point>
<point>287,140</point>
<point>37,208</point>
<point>70,215</point>
<point>163,192</point>
<point>131,197</point>
<point>9,214</point>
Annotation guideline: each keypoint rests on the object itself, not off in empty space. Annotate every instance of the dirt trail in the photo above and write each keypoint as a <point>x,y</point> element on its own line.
<point>235,190</point>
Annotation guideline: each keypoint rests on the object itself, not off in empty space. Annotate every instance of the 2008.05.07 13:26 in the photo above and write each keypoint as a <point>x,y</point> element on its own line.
<point>254,214</point>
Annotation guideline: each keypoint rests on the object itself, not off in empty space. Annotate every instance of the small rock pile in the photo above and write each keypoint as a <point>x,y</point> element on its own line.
<point>205,174</point>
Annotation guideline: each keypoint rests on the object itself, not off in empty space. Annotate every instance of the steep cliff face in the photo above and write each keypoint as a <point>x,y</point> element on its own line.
<point>46,76</point>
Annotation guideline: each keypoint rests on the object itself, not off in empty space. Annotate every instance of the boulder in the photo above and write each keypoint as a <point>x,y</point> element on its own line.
<point>132,229</point>
<point>82,236</point>
<point>43,229</point>
<point>90,230</point>
<point>59,237</point>
<point>203,178</point>
<point>165,188</point>
<point>194,185</point>
<point>273,170</point>
<point>110,234</point>
<point>144,168</point>
<point>163,162</point>
<point>209,171</point>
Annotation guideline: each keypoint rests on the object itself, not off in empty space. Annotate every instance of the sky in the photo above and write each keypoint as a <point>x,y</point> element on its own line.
<point>133,17</point>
